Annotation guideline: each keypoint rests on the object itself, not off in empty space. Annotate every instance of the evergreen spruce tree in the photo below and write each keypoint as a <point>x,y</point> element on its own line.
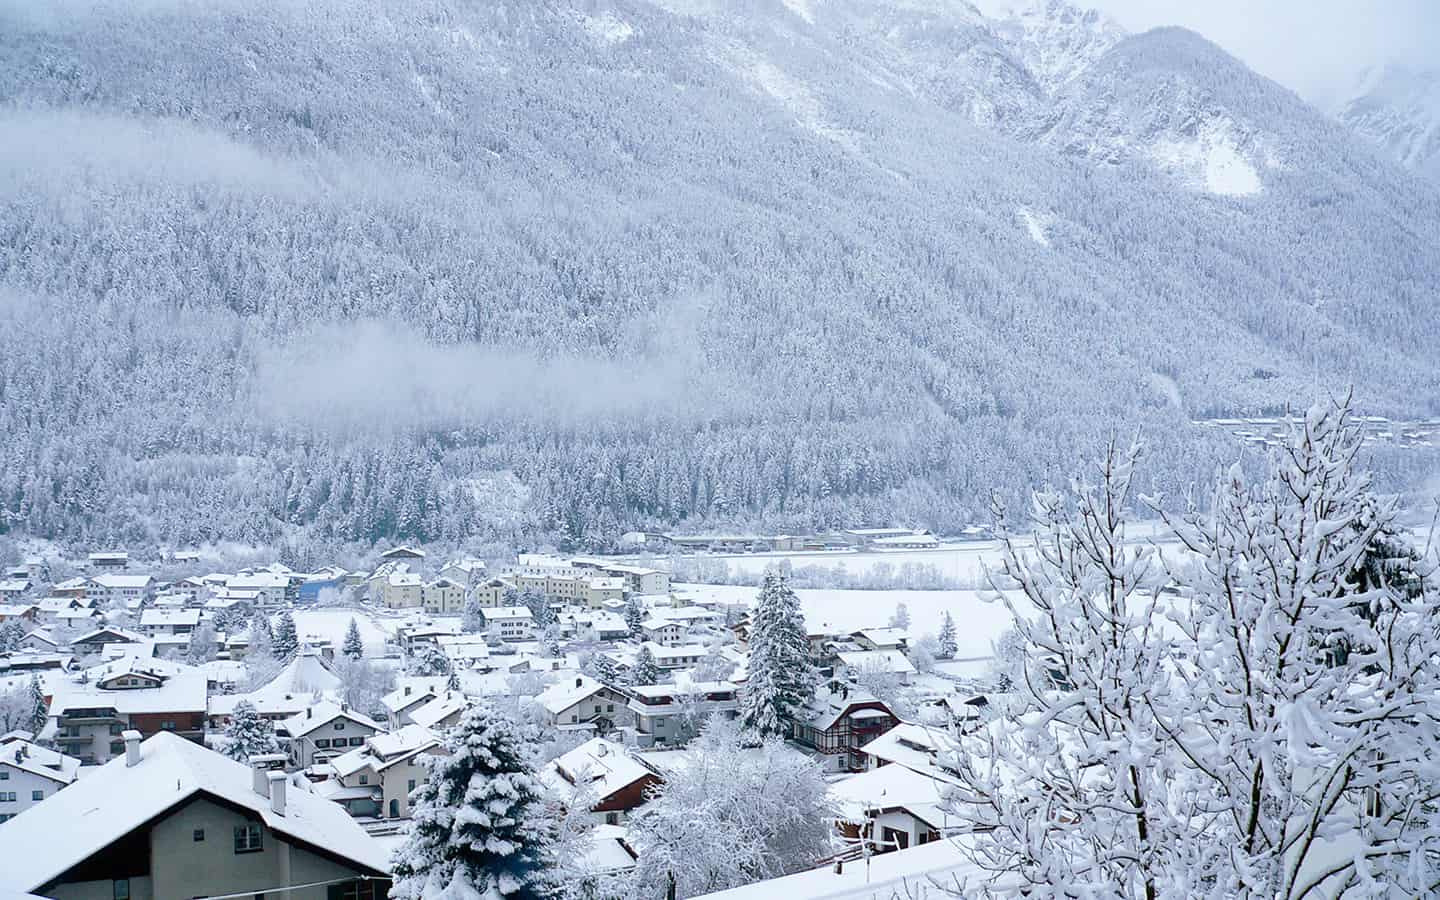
<point>480,825</point>
<point>249,733</point>
<point>948,645</point>
<point>782,679</point>
<point>12,632</point>
<point>262,636</point>
<point>645,671</point>
<point>39,710</point>
<point>287,641</point>
<point>604,670</point>
<point>429,660</point>
<point>473,620</point>
<point>634,615</point>
<point>452,683</point>
<point>353,646</point>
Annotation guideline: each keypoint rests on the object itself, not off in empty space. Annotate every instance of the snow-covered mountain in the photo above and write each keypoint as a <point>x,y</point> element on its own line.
<point>551,270</point>
<point>1398,108</point>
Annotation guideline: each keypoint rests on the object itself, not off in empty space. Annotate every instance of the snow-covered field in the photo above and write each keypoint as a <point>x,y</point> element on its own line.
<point>331,623</point>
<point>978,622</point>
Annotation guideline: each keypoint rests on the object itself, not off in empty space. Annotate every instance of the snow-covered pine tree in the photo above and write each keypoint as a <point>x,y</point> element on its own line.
<point>287,641</point>
<point>39,709</point>
<point>353,646</point>
<point>634,616</point>
<point>12,632</point>
<point>262,636</point>
<point>480,827</point>
<point>452,682</point>
<point>901,618</point>
<point>202,645</point>
<point>782,678</point>
<point>473,619</point>
<point>604,670</point>
<point>645,670</point>
<point>248,733</point>
<point>948,644</point>
<point>429,659</point>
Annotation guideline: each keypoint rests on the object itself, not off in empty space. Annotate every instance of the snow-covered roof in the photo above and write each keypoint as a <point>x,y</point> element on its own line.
<point>506,612</point>
<point>439,709</point>
<point>178,688</point>
<point>828,706</point>
<point>110,634</point>
<point>288,692</point>
<point>155,618</point>
<point>408,695</point>
<point>381,751</point>
<point>257,581</point>
<point>916,747</point>
<point>891,787</point>
<point>890,661</point>
<point>939,869</point>
<point>49,838</point>
<point>885,637</point>
<point>116,581</point>
<point>564,694</point>
<point>110,554</point>
<point>598,767</point>
<point>323,713</point>
<point>403,553</point>
<point>37,760</point>
<point>605,850</point>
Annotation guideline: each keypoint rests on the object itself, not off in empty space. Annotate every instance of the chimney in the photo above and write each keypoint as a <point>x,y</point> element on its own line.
<point>259,779</point>
<point>579,682</point>
<point>277,792</point>
<point>309,712</point>
<point>407,690</point>
<point>132,747</point>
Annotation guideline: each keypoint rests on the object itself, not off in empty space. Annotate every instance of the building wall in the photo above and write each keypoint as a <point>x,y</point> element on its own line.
<point>181,867</point>
<point>22,784</point>
<point>304,752</point>
<point>140,889</point>
<point>444,600</point>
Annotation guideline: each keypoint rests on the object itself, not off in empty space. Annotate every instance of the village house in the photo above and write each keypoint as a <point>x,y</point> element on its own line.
<point>394,586</point>
<point>882,662</point>
<point>838,722</point>
<point>669,714</point>
<point>114,587</point>
<point>601,625</point>
<point>286,695</point>
<point>443,597</point>
<point>465,651</point>
<point>324,731</point>
<point>272,590</point>
<point>109,561</point>
<point>377,778</point>
<point>596,590</point>
<point>493,592</point>
<point>91,709</point>
<point>41,640</point>
<point>510,623</point>
<point>584,704</point>
<point>468,572</point>
<point>602,775</point>
<point>48,609</point>
<point>96,641</point>
<point>26,613</point>
<point>155,622</point>
<point>169,819</point>
<point>14,590</point>
<point>442,712</point>
<point>892,808</point>
<point>407,698</point>
<point>925,749</point>
<point>681,657</point>
<point>663,631</point>
<point>30,773</point>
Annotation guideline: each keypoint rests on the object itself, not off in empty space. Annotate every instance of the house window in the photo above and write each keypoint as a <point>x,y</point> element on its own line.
<point>167,726</point>
<point>248,838</point>
<point>609,707</point>
<point>7,798</point>
<point>322,743</point>
<point>339,726</point>
<point>198,835</point>
<point>356,741</point>
<point>4,775</point>
<point>37,795</point>
<point>364,779</point>
<point>612,818</point>
<point>358,890</point>
<point>116,748</point>
<point>121,889</point>
<point>410,785</point>
<point>116,729</point>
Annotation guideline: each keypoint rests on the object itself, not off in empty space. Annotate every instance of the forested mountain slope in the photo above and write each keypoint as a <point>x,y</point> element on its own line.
<point>1398,108</point>
<point>365,269</point>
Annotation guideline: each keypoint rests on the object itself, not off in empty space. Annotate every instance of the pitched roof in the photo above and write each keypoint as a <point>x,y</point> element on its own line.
<point>439,709</point>
<point>181,688</point>
<point>598,767</point>
<point>37,760</point>
<point>321,714</point>
<point>381,751</point>
<point>116,799</point>
<point>561,696</point>
<point>407,695</point>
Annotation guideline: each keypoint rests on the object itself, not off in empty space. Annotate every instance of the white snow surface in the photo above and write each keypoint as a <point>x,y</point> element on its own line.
<point>1211,161</point>
<point>50,837</point>
<point>607,28</point>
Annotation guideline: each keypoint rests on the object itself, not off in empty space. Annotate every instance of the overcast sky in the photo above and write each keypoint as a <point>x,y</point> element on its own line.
<point>1315,47</point>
